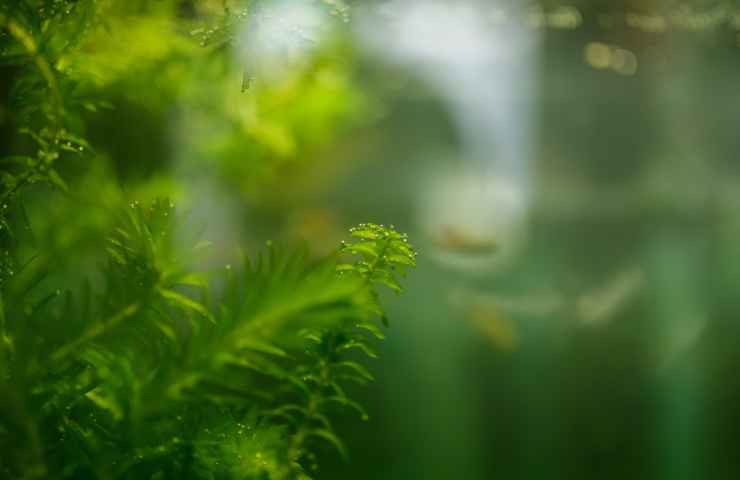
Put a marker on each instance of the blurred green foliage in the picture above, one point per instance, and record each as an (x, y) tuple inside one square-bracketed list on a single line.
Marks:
[(121, 354)]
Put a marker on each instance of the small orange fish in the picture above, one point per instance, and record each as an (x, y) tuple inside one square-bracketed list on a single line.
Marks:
[(497, 328), (458, 239)]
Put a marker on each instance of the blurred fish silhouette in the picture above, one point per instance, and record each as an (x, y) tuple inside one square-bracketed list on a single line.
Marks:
[(486, 314), (458, 239), (498, 329), (497, 316)]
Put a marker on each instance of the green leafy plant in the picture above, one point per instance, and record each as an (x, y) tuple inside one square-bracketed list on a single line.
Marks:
[(121, 356), (162, 371)]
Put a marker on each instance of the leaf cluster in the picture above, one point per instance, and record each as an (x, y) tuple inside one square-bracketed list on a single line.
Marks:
[(162, 372), (127, 362)]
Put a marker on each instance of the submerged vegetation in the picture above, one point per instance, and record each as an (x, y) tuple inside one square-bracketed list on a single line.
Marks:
[(168, 373), (124, 352)]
